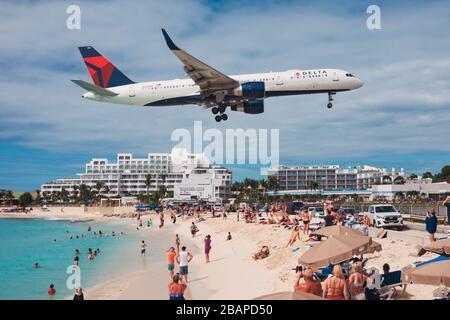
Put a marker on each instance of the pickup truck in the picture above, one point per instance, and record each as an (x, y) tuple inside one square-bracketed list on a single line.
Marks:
[(385, 215)]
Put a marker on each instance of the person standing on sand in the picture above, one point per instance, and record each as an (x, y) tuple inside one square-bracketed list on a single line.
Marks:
[(183, 259), (171, 254), (207, 243), (224, 214), (306, 218), (357, 283), (176, 288), (177, 242), (431, 225), (78, 294), (194, 229), (446, 203), (161, 220), (143, 245), (335, 286)]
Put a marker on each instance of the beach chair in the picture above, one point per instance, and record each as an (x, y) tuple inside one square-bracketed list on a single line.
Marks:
[(325, 272), (393, 280)]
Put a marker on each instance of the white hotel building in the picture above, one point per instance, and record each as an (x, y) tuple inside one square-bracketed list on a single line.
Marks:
[(188, 176)]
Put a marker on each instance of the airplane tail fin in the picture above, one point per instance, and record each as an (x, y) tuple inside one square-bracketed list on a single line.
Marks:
[(102, 71)]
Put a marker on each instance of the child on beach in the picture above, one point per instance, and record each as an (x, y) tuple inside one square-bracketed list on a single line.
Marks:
[(207, 243), (177, 242), (143, 245), (194, 229), (229, 236)]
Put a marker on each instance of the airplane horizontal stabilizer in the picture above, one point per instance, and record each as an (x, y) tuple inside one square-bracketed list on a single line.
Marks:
[(94, 89)]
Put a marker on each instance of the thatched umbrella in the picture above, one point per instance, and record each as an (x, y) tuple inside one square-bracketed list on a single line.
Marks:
[(441, 247), (297, 295), (435, 273), (335, 249), (335, 231)]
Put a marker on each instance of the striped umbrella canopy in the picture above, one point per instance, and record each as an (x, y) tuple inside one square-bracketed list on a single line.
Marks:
[(297, 295), (435, 273), (335, 249), (441, 247)]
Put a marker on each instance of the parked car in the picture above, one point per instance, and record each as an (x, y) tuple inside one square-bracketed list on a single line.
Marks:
[(347, 213), (385, 215), (317, 212), (294, 207)]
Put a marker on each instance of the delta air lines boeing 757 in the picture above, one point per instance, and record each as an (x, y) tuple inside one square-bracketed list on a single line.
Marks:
[(208, 87)]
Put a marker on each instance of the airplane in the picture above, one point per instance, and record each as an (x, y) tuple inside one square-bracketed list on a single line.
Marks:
[(208, 87)]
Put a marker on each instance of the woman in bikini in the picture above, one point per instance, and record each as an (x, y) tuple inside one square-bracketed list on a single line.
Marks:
[(357, 283), (294, 236), (335, 286)]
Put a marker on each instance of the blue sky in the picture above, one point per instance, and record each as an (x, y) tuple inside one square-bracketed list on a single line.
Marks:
[(400, 118)]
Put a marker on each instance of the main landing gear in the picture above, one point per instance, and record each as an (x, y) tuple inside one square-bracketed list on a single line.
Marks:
[(222, 115), (330, 99)]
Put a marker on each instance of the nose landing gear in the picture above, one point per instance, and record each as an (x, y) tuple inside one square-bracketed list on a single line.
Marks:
[(330, 99), (222, 115)]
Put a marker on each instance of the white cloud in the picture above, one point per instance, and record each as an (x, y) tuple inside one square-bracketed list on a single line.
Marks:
[(402, 108)]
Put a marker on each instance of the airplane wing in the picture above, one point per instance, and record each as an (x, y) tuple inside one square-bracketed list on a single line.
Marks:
[(95, 89), (210, 81)]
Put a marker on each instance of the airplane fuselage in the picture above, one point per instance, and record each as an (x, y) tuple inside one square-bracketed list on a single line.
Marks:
[(185, 91)]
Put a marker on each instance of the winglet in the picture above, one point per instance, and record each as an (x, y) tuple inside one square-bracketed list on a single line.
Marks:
[(169, 41)]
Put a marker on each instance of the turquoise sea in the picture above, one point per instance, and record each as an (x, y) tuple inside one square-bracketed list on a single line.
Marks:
[(26, 241)]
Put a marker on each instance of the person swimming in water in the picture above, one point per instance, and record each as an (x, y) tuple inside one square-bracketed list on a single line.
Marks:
[(37, 265)]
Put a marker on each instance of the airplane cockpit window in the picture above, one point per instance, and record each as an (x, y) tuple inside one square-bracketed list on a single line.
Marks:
[(349, 75)]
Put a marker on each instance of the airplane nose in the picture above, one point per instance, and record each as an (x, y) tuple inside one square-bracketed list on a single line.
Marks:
[(359, 83)]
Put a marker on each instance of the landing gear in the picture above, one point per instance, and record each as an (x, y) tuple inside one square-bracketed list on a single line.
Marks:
[(220, 113), (330, 99), (222, 109)]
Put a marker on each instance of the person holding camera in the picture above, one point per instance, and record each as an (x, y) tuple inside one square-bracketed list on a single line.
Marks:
[(309, 284)]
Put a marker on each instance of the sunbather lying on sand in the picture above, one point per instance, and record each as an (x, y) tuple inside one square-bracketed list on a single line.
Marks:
[(261, 254)]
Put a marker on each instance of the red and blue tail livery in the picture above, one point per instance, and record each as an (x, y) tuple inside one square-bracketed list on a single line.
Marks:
[(102, 71)]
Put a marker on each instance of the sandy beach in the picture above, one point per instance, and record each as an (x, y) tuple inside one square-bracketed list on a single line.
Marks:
[(232, 273)]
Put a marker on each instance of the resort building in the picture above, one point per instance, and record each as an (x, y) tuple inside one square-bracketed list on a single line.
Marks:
[(330, 179), (423, 188), (128, 175)]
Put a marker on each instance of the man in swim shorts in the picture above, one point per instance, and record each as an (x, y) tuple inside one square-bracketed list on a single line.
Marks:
[(171, 254)]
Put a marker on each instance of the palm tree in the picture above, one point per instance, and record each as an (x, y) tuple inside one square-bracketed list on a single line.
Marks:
[(99, 185), (85, 193), (399, 196), (387, 179), (148, 184), (399, 180), (413, 194), (273, 184)]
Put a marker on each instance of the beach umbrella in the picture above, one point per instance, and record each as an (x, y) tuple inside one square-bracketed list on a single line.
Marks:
[(335, 231), (435, 273), (335, 249), (374, 247), (441, 247), (297, 295)]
